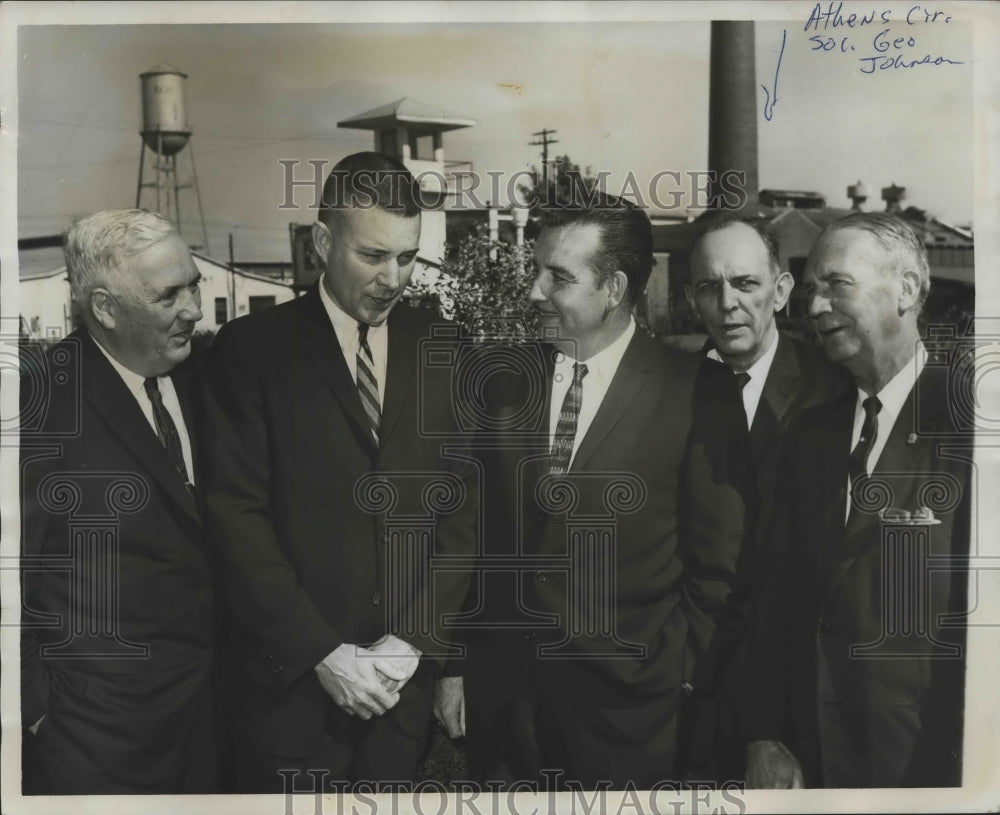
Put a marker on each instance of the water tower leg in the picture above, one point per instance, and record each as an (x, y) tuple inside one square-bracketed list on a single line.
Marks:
[(159, 170), (177, 192), (197, 195), (142, 161)]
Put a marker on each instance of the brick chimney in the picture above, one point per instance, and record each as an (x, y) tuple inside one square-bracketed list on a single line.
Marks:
[(732, 112)]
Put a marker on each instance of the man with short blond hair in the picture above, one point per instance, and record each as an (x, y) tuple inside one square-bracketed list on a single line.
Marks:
[(315, 416)]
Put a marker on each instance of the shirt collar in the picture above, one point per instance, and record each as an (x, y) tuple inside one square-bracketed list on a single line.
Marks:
[(898, 388), (133, 381), (343, 323), (759, 370), (606, 361)]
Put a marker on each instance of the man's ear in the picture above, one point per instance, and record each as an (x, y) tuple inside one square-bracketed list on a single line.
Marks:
[(909, 290), (783, 290), (322, 240), (617, 286), (104, 307)]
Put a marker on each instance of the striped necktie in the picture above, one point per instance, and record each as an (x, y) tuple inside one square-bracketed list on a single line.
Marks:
[(562, 444), (166, 429), (367, 383)]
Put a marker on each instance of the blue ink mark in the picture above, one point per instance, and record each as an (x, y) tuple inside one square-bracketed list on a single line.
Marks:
[(771, 97)]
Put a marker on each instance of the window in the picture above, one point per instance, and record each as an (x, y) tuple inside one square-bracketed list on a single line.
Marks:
[(221, 311)]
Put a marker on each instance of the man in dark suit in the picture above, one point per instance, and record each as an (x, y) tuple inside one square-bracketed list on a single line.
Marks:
[(322, 431), (737, 287), (626, 473), (117, 615), (858, 646)]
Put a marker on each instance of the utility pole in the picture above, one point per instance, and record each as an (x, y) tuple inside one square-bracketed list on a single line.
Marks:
[(544, 144)]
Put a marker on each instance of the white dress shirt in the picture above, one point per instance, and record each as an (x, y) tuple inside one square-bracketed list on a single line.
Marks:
[(346, 328), (892, 397), (136, 385), (754, 389), (601, 368)]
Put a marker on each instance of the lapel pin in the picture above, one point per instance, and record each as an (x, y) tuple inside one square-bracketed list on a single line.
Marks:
[(911, 439)]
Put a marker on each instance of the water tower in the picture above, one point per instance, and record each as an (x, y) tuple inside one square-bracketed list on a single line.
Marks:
[(165, 134)]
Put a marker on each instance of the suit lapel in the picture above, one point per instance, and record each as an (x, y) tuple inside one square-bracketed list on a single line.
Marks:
[(903, 453), (624, 387), (779, 388), (833, 457), (322, 347), (400, 366), (110, 398)]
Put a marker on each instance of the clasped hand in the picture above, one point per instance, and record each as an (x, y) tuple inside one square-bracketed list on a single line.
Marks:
[(772, 766), (365, 682)]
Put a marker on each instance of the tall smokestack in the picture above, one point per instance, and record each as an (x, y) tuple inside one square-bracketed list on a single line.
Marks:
[(732, 112)]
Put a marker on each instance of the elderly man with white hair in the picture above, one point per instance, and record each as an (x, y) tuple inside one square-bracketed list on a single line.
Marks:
[(118, 614), (857, 638)]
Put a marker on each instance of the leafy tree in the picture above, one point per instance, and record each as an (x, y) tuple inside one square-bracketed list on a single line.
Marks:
[(564, 183), (483, 285)]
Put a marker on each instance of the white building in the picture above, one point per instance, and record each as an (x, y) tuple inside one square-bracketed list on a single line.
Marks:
[(44, 296)]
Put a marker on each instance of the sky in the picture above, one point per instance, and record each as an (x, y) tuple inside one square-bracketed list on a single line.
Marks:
[(622, 97)]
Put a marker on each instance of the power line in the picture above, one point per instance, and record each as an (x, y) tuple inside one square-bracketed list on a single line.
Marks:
[(203, 134), (544, 144)]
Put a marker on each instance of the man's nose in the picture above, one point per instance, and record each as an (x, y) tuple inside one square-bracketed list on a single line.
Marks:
[(191, 307), (816, 305), (388, 277), (536, 295), (727, 297)]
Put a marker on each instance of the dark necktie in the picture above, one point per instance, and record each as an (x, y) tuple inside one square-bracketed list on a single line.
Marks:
[(165, 427), (742, 378), (857, 466), (562, 444), (367, 383)]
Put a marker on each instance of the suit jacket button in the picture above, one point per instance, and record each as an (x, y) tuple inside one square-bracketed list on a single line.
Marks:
[(377, 599), (541, 577)]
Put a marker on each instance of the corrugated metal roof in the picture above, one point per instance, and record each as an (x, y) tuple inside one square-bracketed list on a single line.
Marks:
[(242, 272), (680, 237), (34, 264)]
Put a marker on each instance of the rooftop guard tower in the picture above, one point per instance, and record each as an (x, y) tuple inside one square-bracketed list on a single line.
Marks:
[(402, 130), (165, 134)]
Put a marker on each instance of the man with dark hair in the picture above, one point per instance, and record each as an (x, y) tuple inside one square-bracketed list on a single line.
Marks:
[(118, 614), (856, 645), (625, 481), (737, 287), (316, 451)]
